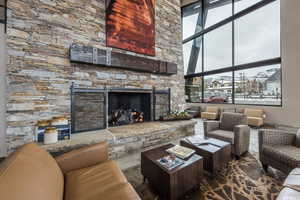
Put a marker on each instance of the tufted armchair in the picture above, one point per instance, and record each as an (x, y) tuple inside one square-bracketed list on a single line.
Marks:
[(279, 149), (231, 128)]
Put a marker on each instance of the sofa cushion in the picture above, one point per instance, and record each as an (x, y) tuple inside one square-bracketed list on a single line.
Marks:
[(102, 181), (227, 136), (31, 173), (230, 120), (255, 121), (297, 142), (120, 192), (211, 109), (254, 112), (231, 110), (240, 110), (207, 115), (288, 154)]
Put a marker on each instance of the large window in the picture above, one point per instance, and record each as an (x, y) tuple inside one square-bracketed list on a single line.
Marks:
[(215, 11), (193, 86), (231, 51), (191, 19), (218, 48), (258, 86), (218, 88), (257, 35)]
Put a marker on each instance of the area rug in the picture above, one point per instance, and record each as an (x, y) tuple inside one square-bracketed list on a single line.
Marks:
[(242, 179)]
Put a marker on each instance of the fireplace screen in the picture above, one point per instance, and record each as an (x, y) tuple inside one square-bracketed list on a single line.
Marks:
[(88, 110), (95, 109)]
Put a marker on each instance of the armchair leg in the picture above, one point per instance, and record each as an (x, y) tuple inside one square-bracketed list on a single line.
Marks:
[(265, 167)]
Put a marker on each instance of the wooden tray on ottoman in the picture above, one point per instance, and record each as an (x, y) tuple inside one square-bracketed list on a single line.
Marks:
[(216, 153), (171, 184)]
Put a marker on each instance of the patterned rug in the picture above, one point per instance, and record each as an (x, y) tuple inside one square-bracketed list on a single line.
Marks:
[(242, 179)]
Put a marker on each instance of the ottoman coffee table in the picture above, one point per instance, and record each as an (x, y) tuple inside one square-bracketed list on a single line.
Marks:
[(216, 153), (171, 184)]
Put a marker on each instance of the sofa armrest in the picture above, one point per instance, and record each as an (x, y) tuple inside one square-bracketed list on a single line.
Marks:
[(83, 157), (210, 126), (293, 180), (288, 194), (241, 139), (276, 137)]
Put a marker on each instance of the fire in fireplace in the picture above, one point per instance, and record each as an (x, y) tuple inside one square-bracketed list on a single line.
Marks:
[(121, 117), (128, 108)]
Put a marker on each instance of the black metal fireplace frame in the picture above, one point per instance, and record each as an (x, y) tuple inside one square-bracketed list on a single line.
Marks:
[(153, 92)]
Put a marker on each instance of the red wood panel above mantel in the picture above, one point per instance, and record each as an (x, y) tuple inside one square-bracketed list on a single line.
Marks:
[(130, 25)]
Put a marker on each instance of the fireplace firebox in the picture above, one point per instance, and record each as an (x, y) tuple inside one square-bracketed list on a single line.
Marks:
[(128, 107), (95, 109)]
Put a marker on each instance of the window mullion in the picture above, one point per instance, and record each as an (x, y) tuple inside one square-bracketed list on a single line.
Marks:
[(203, 24), (233, 56)]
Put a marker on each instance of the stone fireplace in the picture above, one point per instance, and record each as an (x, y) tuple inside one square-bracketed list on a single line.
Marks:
[(95, 109), (39, 70)]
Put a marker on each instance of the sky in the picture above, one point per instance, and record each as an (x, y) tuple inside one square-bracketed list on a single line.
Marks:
[(257, 36)]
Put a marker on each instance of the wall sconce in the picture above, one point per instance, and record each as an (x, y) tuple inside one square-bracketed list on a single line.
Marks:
[(3, 12)]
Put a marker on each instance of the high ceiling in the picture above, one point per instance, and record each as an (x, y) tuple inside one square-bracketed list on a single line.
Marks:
[(186, 2)]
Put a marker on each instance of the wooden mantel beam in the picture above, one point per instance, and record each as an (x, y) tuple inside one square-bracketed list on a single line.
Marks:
[(92, 55)]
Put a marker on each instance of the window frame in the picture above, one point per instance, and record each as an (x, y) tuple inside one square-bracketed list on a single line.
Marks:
[(4, 21), (233, 68)]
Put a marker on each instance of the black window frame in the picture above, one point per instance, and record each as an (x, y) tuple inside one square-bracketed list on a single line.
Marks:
[(233, 68), (4, 21)]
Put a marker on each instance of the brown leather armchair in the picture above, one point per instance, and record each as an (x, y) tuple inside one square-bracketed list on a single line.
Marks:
[(31, 173)]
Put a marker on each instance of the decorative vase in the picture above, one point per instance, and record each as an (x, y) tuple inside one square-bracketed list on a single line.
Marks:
[(50, 135)]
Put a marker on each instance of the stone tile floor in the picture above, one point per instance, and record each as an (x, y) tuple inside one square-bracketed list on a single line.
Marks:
[(133, 160)]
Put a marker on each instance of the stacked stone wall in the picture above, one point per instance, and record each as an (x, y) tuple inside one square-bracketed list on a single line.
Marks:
[(40, 74)]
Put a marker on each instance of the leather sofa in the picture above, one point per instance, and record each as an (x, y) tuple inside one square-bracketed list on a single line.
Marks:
[(31, 173), (231, 128), (255, 117), (211, 113), (291, 186)]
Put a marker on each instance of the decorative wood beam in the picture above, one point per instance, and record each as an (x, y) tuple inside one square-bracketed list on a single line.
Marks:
[(91, 55)]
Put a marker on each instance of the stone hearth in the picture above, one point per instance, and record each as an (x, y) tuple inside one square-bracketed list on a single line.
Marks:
[(128, 139)]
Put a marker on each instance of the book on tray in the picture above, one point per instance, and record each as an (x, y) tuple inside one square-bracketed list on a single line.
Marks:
[(196, 140), (180, 151), (170, 162)]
